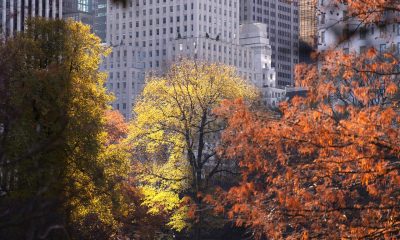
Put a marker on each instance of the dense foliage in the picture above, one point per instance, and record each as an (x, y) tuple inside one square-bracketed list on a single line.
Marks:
[(200, 155), (326, 166), (58, 178), (329, 166), (173, 138)]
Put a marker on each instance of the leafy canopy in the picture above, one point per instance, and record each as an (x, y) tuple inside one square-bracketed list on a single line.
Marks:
[(328, 167), (58, 177), (174, 133)]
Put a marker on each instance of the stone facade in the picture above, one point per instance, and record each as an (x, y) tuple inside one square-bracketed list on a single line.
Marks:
[(281, 18), (149, 35)]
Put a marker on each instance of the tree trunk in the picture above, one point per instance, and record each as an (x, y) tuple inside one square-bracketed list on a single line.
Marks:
[(198, 201), (198, 224)]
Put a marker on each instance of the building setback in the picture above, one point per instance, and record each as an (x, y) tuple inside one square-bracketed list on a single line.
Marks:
[(282, 22), (149, 35), (13, 13)]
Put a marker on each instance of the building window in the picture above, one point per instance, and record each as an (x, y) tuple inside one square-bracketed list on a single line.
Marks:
[(383, 30), (382, 47), (363, 33), (322, 20), (322, 37)]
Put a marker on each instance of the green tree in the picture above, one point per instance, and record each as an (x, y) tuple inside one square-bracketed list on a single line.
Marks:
[(58, 176), (174, 136)]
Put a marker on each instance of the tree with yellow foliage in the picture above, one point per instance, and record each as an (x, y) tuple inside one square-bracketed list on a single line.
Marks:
[(174, 136)]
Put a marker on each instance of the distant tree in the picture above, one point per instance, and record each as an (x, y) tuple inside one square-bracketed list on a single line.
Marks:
[(173, 138), (116, 126), (58, 177)]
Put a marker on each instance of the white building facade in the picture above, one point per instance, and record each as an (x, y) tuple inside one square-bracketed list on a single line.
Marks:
[(149, 35), (281, 18), (336, 29), (13, 13)]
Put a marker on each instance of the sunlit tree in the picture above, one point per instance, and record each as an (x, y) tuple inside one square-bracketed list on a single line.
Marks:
[(173, 137)]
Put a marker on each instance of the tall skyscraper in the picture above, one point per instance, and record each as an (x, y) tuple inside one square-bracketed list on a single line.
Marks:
[(282, 21), (149, 35), (308, 38), (79, 10), (13, 13), (100, 18)]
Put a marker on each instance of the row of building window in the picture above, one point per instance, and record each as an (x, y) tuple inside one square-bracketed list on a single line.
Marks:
[(157, 12), (363, 32), (157, 32), (225, 2), (382, 48)]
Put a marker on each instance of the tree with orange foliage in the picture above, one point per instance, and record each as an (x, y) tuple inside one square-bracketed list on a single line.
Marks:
[(116, 127), (328, 167)]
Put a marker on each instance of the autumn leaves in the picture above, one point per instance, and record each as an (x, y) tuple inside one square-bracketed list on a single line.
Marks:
[(329, 166), (323, 166), (174, 136)]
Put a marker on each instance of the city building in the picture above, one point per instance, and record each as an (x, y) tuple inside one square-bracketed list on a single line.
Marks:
[(282, 22), (308, 38), (100, 19), (79, 10), (148, 36), (337, 30), (13, 13)]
